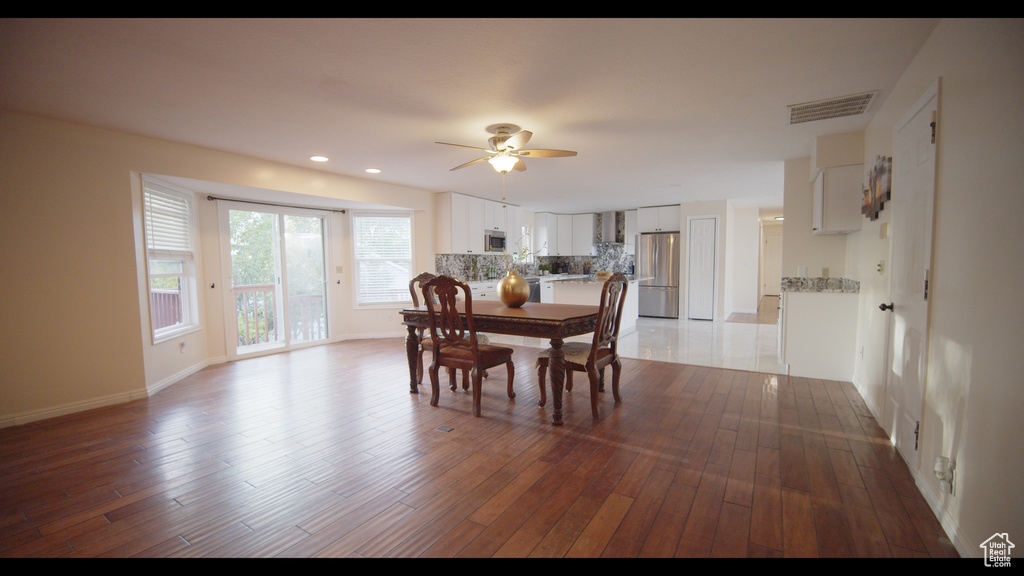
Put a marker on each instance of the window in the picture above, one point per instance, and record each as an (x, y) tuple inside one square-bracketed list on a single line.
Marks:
[(168, 219), (383, 255)]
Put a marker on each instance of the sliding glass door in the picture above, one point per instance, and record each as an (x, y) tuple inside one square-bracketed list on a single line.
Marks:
[(277, 278)]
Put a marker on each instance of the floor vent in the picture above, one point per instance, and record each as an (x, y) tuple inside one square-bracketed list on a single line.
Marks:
[(831, 108)]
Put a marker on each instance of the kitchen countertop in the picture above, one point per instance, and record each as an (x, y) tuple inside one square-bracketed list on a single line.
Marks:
[(834, 285), (578, 279)]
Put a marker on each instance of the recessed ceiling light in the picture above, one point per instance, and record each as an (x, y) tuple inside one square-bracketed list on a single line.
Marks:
[(318, 158), (779, 218), (373, 170)]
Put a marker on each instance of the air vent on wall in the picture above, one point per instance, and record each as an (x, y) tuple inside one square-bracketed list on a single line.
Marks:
[(831, 108)]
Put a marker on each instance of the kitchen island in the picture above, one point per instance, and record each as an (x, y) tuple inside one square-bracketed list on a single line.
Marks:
[(586, 289)]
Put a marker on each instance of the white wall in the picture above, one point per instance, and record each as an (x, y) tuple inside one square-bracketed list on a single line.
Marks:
[(73, 281), (974, 398)]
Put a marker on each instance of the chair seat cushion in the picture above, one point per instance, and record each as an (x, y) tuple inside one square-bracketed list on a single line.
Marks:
[(428, 344), (575, 353), (489, 355)]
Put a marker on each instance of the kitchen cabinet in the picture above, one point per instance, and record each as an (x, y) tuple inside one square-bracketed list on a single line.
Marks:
[(818, 334), (658, 219), (484, 290), (545, 226), (583, 226), (462, 220), (837, 198), (495, 216), (564, 234)]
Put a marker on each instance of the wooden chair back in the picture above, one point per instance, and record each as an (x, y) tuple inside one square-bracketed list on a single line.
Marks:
[(447, 326), (609, 315)]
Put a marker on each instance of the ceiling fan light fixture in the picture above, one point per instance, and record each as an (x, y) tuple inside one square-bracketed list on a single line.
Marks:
[(503, 162)]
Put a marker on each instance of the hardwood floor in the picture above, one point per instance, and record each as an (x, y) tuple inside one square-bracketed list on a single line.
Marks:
[(323, 452)]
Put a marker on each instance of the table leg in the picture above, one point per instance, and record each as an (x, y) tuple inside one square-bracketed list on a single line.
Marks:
[(412, 347), (556, 363)]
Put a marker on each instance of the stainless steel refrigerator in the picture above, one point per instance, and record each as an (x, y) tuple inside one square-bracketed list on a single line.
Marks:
[(657, 268)]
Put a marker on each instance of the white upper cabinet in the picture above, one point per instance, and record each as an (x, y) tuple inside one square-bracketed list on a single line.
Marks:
[(837, 199), (460, 223), (658, 219), (583, 234), (564, 234), (545, 232)]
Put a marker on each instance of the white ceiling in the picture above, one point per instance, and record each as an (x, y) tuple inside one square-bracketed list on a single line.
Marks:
[(661, 111)]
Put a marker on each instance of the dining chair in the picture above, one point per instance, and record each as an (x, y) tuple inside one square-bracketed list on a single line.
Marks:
[(425, 342), (456, 343), (592, 358)]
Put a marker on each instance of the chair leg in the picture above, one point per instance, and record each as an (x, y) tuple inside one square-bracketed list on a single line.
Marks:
[(616, 370), (511, 377), (477, 393), (542, 368), (419, 366), (568, 379), (452, 382), (435, 387), (594, 381)]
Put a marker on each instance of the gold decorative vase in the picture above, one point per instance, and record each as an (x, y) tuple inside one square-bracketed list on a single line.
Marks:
[(513, 290)]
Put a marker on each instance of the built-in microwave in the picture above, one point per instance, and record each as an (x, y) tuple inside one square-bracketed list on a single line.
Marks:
[(494, 241)]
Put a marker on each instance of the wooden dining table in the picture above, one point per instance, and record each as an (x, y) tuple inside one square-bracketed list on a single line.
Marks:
[(534, 319)]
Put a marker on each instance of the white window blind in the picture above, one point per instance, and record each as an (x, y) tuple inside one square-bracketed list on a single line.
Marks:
[(168, 223), (383, 253)]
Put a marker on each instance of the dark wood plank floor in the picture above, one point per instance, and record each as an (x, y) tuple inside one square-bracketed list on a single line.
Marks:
[(324, 452)]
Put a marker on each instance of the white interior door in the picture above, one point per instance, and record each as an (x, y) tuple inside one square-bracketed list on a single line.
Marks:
[(772, 273), (700, 272), (913, 196)]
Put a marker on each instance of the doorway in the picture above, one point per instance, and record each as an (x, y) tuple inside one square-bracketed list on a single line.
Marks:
[(274, 266)]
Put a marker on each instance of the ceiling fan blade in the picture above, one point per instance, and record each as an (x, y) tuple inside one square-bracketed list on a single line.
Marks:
[(542, 153), (518, 140), (484, 159), (488, 150)]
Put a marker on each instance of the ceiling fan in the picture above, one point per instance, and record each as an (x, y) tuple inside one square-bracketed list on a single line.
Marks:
[(506, 149)]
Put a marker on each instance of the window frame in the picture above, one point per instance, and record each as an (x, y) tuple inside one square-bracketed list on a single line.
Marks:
[(357, 296), (185, 255)]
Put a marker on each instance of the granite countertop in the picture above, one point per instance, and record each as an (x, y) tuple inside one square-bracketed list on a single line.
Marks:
[(579, 279), (834, 285)]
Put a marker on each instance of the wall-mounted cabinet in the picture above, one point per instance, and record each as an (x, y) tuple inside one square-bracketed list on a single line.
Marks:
[(583, 228), (658, 219), (565, 234), (545, 230), (838, 194), (462, 220)]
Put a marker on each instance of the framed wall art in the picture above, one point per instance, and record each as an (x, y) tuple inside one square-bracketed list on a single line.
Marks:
[(879, 188)]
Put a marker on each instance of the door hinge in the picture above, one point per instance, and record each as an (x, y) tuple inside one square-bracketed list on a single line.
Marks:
[(933, 126), (926, 284), (917, 433)]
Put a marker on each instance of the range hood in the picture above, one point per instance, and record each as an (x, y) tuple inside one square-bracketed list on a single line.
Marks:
[(611, 232)]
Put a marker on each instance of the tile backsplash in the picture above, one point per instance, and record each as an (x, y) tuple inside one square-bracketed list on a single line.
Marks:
[(481, 266)]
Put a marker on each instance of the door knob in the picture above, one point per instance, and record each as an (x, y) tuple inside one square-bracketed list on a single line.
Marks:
[(885, 307)]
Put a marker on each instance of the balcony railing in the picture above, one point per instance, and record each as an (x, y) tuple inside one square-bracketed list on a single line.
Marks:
[(255, 305)]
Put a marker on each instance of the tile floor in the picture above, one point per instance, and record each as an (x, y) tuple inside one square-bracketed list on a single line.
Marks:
[(734, 345)]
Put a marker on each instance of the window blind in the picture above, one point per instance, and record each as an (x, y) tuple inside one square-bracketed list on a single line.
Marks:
[(383, 249), (168, 223)]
